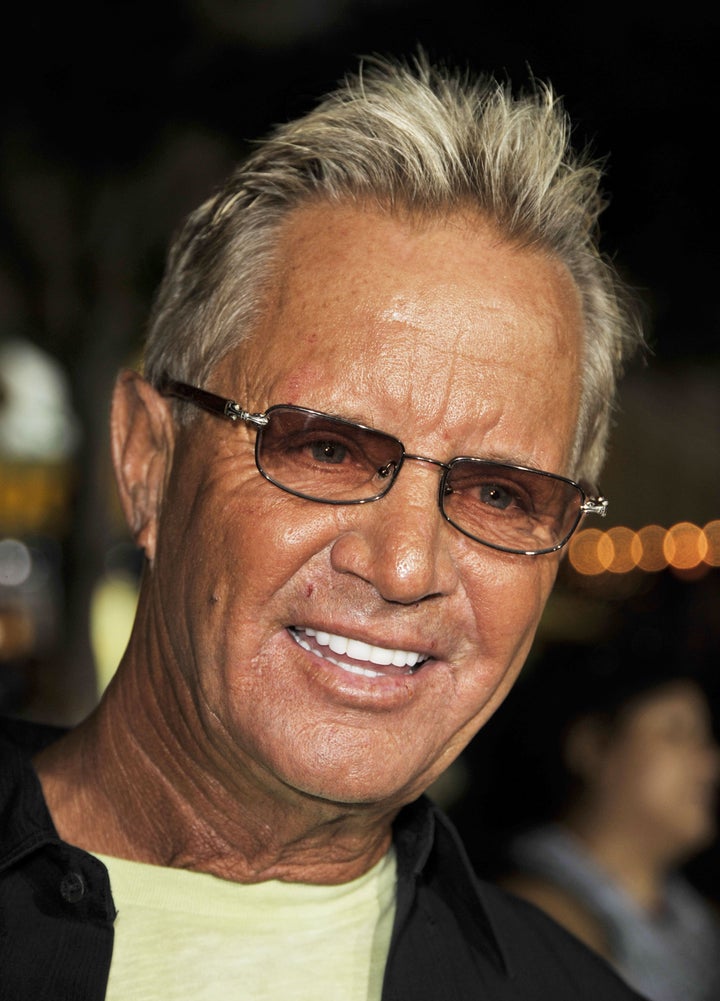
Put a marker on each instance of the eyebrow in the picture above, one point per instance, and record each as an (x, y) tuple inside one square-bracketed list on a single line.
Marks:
[(491, 456)]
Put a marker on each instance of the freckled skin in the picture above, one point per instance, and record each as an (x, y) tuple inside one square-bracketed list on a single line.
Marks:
[(268, 760)]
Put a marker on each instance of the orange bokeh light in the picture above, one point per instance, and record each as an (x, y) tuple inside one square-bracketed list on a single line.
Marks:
[(622, 540), (648, 548), (620, 550), (685, 545), (712, 534), (584, 552)]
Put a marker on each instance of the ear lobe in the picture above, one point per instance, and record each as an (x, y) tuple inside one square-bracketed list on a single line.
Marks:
[(142, 438)]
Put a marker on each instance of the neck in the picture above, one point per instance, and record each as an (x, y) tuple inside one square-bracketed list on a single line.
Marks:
[(630, 856), (142, 779)]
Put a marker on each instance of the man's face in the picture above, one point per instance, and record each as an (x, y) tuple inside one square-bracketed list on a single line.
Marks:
[(457, 344)]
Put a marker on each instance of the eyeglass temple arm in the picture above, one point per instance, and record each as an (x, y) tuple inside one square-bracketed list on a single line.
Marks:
[(211, 402), (594, 505)]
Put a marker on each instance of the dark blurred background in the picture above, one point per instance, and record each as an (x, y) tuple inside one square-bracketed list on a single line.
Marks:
[(118, 118)]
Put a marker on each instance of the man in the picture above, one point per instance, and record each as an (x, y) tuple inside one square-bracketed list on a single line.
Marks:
[(380, 359)]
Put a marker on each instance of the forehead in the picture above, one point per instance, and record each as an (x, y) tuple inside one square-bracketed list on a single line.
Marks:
[(429, 313)]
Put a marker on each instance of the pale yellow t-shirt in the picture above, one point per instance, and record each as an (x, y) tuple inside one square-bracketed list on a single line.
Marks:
[(190, 936)]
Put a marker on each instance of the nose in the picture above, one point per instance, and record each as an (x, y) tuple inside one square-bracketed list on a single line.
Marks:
[(400, 544)]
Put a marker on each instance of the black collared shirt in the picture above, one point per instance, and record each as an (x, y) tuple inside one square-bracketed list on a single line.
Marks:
[(455, 937)]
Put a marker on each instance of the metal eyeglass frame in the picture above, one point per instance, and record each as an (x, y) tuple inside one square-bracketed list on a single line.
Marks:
[(221, 406)]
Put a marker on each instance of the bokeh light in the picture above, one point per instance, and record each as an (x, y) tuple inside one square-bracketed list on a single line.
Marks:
[(712, 534), (622, 539), (685, 546), (619, 550), (651, 553), (591, 552), (15, 562)]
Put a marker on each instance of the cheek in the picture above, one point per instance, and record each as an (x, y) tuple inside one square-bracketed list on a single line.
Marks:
[(233, 560), (508, 598), (506, 605), (674, 804), (661, 780), (653, 781), (674, 777), (260, 537)]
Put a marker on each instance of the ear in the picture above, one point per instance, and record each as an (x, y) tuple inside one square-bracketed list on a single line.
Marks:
[(584, 747), (142, 438)]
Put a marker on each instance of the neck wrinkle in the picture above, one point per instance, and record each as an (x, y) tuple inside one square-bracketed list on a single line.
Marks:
[(168, 790)]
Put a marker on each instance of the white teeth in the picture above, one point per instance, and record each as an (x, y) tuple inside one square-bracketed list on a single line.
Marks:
[(343, 646), (350, 668), (358, 650), (338, 644)]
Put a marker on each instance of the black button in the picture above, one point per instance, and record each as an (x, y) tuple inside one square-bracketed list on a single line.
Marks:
[(72, 887)]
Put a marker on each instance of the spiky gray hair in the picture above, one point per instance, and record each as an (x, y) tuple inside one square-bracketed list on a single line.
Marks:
[(410, 137)]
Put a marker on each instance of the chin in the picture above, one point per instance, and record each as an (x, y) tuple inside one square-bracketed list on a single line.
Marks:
[(697, 838), (378, 788), (366, 795)]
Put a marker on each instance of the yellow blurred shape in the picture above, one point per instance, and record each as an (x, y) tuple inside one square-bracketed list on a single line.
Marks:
[(112, 612)]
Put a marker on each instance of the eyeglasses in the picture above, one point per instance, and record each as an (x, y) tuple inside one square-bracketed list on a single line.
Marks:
[(335, 461)]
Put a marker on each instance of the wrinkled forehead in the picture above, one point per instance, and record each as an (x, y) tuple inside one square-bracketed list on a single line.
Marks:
[(360, 252), (450, 277), (433, 313)]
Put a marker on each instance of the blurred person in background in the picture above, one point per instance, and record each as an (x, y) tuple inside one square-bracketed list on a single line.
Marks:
[(625, 770), (328, 615)]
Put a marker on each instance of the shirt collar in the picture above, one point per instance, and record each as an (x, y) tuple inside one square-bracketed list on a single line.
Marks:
[(428, 847), (24, 816)]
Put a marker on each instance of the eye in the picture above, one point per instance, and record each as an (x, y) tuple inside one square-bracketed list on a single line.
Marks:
[(328, 451), (497, 496)]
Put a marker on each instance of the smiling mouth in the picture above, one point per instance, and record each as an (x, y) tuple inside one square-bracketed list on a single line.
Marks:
[(355, 656)]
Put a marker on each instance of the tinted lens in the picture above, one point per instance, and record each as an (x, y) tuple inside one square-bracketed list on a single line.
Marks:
[(326, 458), (515, 509)]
